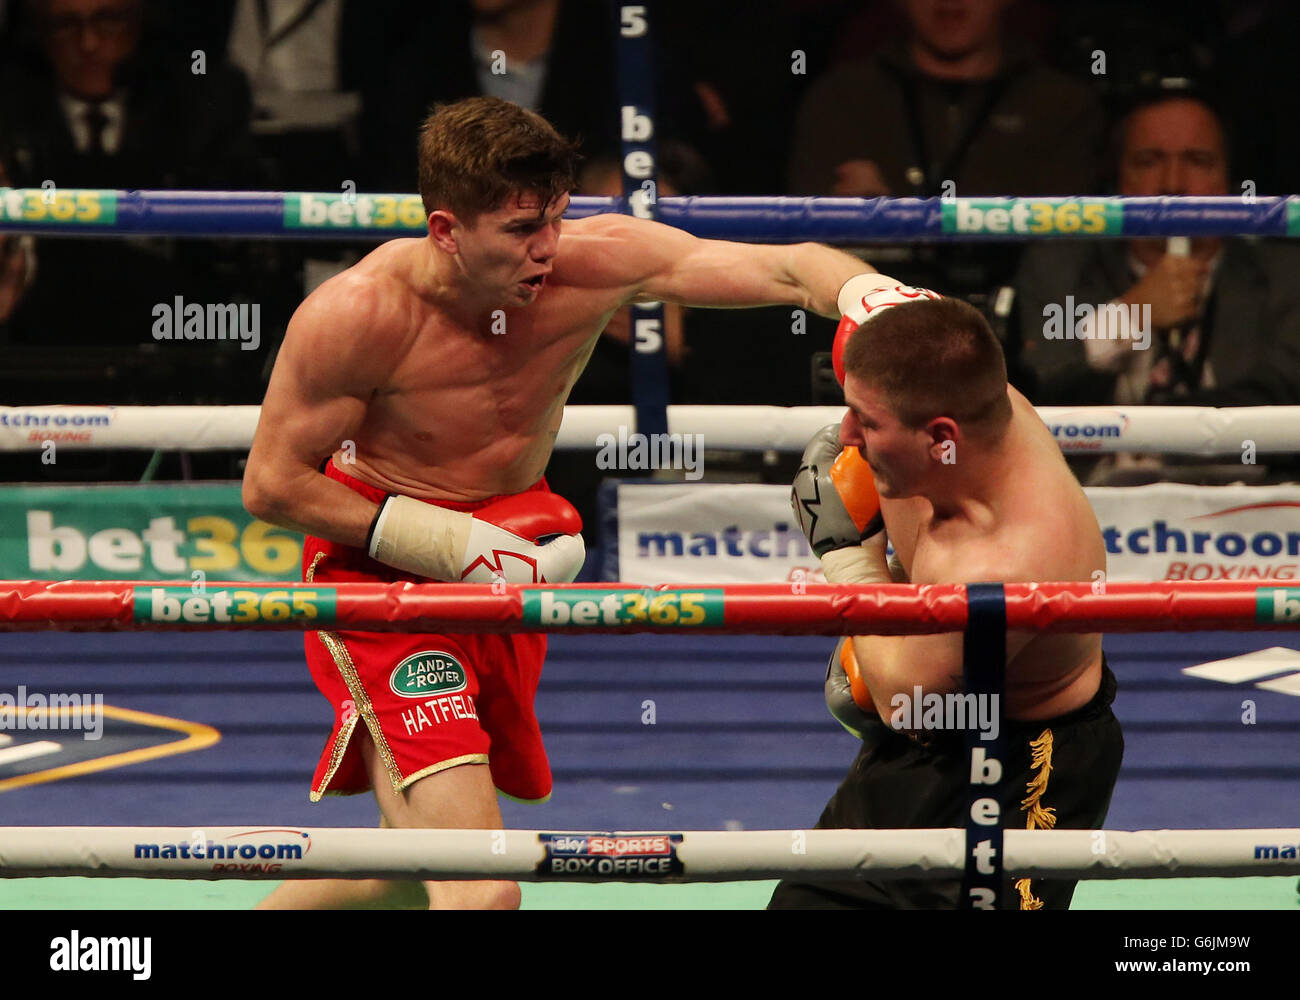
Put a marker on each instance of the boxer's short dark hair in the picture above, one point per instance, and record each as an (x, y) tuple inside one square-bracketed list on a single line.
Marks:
[(476, 153), (933, 358)]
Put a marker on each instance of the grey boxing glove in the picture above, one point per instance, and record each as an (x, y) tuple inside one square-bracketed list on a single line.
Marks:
[(835, 502), (846, 693)]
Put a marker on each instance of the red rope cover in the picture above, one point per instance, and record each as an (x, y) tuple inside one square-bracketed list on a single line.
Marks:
[(791, 608)]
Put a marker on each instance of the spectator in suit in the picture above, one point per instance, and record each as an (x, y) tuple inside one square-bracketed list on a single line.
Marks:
[(1224, 317), (1213, 322), (95, 102)]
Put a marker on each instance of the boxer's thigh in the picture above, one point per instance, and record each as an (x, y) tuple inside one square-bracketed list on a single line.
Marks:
[(417, 695), (460, 797), (507, 688)]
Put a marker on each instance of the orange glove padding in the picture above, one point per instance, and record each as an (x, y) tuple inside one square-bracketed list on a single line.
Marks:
[(856, 485)]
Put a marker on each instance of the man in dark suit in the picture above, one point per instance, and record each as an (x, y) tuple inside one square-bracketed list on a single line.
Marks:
[(92, 103), (1204, 321)]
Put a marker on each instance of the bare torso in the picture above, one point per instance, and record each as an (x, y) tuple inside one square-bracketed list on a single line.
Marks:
[(468, 412), (1041, 528)]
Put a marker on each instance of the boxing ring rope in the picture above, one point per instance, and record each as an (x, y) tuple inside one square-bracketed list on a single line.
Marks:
[(787, 608), (679, 856), (758, 608), (340, 215), (1191, 430)]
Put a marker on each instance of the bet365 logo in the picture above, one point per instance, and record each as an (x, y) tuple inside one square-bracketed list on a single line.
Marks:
[(1280, 605), (623, 607), (1029, 216), (242, 606)]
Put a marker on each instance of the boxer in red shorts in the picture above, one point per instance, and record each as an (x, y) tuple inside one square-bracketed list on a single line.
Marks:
[(433, 376), (449, 700)]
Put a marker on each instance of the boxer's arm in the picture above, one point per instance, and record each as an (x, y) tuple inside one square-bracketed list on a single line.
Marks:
[(893, 665), (335, 352), (654, 262)]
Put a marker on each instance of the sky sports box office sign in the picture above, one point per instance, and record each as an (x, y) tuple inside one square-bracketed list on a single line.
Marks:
[(654, 533), (650, 532)]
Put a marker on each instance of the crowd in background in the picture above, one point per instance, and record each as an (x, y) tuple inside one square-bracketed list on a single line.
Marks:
[(804, 97)]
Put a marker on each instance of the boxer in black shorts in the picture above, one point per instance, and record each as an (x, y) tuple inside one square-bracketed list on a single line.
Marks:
[(897, 782), (969, 486)]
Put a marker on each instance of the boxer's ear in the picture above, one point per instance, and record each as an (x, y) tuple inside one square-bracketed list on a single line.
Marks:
[(944, 435), (443, 230)]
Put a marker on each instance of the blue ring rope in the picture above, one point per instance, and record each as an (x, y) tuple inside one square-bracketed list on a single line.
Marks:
[(374, 217)]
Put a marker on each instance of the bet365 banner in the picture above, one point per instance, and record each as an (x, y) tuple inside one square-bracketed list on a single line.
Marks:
[(144, 532)]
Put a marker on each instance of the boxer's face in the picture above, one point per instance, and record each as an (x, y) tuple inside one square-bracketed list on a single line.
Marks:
[(505, 257), (898, 455)]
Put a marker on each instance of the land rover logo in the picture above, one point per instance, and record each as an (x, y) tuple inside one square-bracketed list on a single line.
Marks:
[(429, 672)]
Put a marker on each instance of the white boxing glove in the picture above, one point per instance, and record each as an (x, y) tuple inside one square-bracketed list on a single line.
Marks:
[(859, 297), (496, 542)]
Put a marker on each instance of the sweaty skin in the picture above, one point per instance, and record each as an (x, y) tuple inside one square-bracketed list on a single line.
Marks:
[(433, 369), (448, 375), (1027, 520)]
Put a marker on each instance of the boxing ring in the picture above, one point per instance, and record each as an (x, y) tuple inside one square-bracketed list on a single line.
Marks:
[(740, 742)]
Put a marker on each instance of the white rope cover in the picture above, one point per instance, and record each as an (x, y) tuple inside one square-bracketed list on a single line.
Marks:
[(703, 856), (1192, 430)]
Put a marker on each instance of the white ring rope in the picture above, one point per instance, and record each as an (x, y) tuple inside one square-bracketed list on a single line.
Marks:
[(1192, 430), (705, 856)]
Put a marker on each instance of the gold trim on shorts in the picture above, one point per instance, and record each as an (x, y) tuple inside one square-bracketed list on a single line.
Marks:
[(424, 772), (361, 702), (1038, 816), (365, 709)]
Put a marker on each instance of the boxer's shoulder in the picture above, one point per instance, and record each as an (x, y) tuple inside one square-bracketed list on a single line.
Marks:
[(374, 297), (608, 255), (605, 239)]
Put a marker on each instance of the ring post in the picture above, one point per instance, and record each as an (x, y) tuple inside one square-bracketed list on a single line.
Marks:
[(984, 669)]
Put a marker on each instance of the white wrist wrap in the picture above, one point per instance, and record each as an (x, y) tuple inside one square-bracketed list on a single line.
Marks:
[(863, 563), (853, 290), (421, 538)]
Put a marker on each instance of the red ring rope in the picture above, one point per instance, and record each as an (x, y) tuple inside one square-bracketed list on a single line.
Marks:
[(790, 608)]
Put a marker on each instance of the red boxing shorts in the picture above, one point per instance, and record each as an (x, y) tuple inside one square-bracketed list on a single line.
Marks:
[(429, 702)]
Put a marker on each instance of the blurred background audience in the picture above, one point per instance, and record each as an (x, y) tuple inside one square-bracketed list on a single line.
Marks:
[(849, 98)]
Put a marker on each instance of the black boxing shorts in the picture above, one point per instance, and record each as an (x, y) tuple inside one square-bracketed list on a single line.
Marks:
[(898, 783)]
